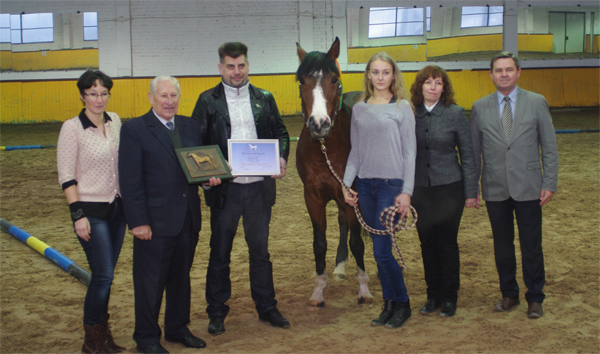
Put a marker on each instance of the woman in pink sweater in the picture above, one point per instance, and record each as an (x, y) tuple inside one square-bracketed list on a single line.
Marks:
[(87, 152)]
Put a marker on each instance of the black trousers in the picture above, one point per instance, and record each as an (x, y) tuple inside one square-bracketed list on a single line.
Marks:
[(248, 201), (439, 210), (529, 223), (163, 264)]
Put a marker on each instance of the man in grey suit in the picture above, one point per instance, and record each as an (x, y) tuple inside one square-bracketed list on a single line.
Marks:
[(513, 179)]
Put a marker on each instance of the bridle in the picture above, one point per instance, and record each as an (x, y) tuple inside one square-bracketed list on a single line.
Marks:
[(335, 111)]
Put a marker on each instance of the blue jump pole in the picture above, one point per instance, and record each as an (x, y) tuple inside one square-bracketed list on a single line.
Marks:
[(572, 131), (58, 258), (25, 147)]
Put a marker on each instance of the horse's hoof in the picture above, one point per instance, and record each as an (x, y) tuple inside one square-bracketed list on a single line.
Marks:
[(365, 301), (315, 303), (339, 277)]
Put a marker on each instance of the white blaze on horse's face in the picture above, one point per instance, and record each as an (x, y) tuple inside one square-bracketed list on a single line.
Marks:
[(319, 108)]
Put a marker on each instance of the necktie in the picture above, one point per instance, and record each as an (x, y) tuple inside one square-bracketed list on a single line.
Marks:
[(171, 126), (507, 118)]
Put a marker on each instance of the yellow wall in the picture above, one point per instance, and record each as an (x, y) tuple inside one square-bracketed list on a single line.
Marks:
[(452, 45), (5, 60), (56, 101), (412, 52), (52, 60), (595, 43), (535, 42)]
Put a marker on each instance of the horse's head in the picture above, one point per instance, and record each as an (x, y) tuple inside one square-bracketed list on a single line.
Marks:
[(320, 89)]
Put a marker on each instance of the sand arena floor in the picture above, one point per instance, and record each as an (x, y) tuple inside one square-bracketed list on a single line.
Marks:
[(41, 305)]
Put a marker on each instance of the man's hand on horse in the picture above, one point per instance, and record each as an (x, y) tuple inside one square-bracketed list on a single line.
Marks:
[(350, 196), (283, 168), (403, 203)]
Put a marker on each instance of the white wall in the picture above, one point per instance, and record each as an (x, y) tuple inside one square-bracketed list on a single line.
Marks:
[(144, 38), (183, 39)]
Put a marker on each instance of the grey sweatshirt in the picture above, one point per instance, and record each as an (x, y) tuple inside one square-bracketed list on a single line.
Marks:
[(383, 143)]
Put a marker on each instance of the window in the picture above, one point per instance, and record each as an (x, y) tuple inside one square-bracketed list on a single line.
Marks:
[(4, 28), (15, 29), (397, 21), (428, 18), (481, 16), (90, 26), (26, 28)]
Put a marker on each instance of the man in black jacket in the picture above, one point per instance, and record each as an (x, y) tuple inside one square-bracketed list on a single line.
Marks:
[(234, 109)]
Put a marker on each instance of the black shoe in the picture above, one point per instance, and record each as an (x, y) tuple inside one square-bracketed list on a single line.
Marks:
[(401, 314), (216, 325), (275, 318), (387, 311), (448, 309), (430, 306), (190, 341), (154, 348)]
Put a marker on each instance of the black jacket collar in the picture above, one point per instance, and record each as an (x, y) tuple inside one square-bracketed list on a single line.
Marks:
[(86, 122)]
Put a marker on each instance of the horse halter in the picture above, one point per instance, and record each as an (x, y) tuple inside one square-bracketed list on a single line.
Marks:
[(340, 92)]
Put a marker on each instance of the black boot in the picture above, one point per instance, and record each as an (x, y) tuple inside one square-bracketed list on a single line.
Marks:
[(387, 310), (401, 314)]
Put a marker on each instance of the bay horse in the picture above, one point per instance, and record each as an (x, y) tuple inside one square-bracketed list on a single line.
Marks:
[(329, 123)]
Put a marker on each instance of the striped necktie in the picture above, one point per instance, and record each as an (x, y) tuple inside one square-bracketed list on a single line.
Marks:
[(507, 118)]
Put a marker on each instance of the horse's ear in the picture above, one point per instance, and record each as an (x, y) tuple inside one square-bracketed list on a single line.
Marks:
[(334, 51), (301, 52)]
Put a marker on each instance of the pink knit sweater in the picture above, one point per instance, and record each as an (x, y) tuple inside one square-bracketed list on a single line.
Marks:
[(89, 158)]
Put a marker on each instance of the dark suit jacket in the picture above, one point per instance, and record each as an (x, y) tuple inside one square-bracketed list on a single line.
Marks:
[(514, 168), (439, 134), (213, 115), (153, 186)]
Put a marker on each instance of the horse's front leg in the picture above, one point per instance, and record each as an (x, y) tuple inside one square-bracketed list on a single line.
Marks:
[(318, 217), (341, 259), (357, 247)]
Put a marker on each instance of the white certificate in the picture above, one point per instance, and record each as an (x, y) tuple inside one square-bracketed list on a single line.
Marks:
[(257, 157)]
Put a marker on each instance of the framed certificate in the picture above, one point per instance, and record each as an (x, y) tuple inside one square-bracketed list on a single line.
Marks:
[(257, 157), (201, 163)]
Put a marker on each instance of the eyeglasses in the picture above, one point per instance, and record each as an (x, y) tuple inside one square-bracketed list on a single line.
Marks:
[(95, 96)]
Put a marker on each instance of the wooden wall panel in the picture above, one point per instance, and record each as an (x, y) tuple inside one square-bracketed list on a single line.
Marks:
[(536, 43), (50, 101), (412, 52), (5, 60), (55, 60)]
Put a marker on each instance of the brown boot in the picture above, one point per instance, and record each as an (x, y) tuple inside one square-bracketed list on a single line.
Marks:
[(94, 340), (108, 338)]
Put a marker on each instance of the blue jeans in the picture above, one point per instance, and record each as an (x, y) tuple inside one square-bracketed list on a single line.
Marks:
[(374, 195), (102, 252)]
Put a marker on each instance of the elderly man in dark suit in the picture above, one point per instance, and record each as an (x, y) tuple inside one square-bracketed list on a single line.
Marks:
[(509, 129), (163, 213)]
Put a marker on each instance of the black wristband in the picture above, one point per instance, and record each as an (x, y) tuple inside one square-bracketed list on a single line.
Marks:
[(76, 211)]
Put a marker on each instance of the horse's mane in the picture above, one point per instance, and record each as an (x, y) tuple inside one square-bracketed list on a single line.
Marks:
[(314, 62)]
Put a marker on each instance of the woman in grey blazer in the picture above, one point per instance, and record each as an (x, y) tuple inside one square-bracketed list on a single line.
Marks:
[(445, 181)]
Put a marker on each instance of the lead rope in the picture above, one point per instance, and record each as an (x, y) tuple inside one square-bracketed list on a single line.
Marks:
[(387, 215)]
